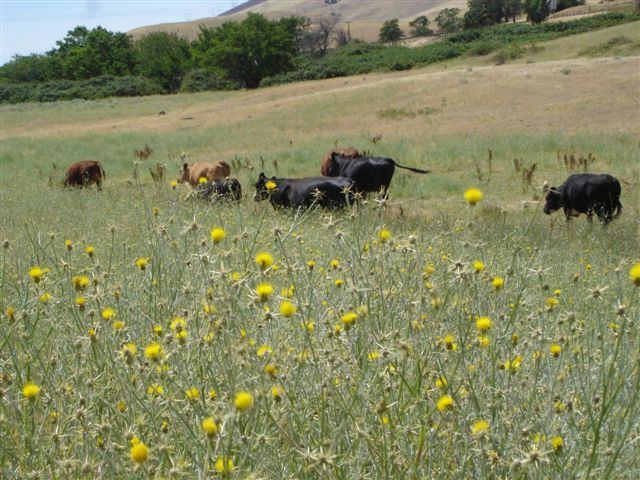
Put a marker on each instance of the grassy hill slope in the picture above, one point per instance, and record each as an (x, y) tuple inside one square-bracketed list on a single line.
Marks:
[(445, 117)]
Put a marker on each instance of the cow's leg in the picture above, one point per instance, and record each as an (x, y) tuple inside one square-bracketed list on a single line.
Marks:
[(590, 215)]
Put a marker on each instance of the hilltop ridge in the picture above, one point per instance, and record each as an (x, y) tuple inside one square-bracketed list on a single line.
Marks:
[(364, 18)]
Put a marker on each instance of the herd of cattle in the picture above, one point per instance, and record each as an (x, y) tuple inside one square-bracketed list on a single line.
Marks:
[(346, 172)]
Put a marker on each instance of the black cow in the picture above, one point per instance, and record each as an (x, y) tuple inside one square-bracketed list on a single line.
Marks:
[(369, 174), (304, 192), (225, 189), (586, 193)]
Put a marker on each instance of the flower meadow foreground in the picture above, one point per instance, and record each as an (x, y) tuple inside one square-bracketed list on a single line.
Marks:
[(212, 345)]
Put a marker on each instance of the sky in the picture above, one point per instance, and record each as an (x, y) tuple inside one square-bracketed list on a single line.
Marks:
[(35, 26)]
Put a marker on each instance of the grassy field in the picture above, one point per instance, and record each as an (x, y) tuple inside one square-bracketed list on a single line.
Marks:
[(146, 334)]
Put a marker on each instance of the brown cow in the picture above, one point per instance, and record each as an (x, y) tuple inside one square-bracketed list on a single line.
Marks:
[(347, 152), (212, 171), (85, 173)]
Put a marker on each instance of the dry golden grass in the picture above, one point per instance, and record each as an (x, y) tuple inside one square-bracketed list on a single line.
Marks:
[(579, 95)]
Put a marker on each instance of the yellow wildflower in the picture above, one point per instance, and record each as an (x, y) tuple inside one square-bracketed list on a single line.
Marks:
[(483, 324), (634, 274), (45, 297), (36, 273), (277, 392), (287, 309), (264, 291), (30, 390), (80, 282), (445, 403), (349, 318), (473, 196), (90, 250), (243, 401), (441, 383), (108, 314), (142, 262), (551, 303), (478, 266), (139, 451), (154, 352), (225, 464), (192, 393), (270, 185), (498, 283), (479, 427), (210, 426), (263, 350), (217, 235), (384, 235), (555, 349), (264, 260), (557, 443)]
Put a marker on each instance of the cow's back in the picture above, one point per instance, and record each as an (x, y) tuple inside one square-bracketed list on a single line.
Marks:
[(212, 171), (369, 174), (322, 191)]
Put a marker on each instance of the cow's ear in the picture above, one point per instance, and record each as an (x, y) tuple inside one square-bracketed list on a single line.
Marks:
[(185, 167), (261, 176)]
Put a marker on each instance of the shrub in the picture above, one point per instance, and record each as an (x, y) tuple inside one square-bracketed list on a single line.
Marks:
[(202, 80), (98, 87)]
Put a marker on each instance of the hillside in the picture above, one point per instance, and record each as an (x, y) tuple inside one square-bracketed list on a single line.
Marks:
[(364, 17)]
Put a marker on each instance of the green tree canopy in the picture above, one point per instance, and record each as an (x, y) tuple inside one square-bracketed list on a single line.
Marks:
[(28, 68), (250, 50), (537, 10), (390, 31), (85, 53), (163, 57), (420, 26), (483, 13), (448, 20)]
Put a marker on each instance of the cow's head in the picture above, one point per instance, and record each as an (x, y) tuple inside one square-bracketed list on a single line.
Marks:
[(553, 201), (184, 173), (332, 166), (264, 187)]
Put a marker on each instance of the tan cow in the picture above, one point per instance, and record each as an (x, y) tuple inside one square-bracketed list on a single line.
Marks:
[(212, 171), (348, 152)]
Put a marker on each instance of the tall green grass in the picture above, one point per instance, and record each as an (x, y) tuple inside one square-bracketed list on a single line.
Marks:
[(330, 399)]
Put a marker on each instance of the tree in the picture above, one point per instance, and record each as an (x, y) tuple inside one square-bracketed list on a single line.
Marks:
[(390, 31), (248, 51), (28, 68), (314, 36), (420, 26), (512, 8), (537, 10), (163, 57), (87, 53), (483, 13), (448, 20)]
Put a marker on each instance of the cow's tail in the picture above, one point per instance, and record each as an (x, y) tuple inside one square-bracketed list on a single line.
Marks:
[(617, 210), (412, 169)]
